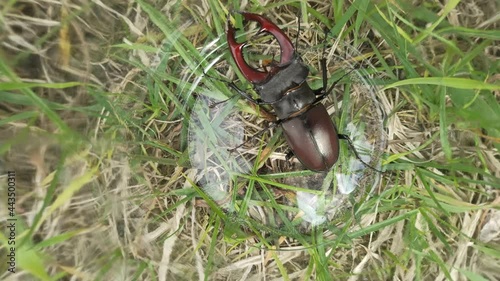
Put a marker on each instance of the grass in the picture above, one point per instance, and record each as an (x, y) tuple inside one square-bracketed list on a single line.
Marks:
[(95, 105)]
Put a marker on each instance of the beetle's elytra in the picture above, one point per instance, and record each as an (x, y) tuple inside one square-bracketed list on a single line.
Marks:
[(308, 129)]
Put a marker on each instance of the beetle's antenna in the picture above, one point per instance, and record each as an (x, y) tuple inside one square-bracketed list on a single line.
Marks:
[(351, 145)]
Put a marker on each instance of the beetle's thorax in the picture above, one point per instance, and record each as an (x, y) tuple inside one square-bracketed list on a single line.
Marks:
[(287, 78), (294, 102)]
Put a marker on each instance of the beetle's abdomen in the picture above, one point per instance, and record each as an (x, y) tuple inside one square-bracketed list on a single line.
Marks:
[(313, 138)]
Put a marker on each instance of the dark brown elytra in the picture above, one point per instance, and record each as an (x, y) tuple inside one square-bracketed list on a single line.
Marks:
[(309, 131)]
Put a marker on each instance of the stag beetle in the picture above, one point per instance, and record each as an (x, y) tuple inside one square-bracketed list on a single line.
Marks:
[(309, 131)]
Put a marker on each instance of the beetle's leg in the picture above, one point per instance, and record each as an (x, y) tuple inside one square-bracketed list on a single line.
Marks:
[(299, 17), (322, 92), (244, 94), (351, 145), (278, 122), (233, 86), (289, 155), (239, 91), (323, 63), (338, 80)]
